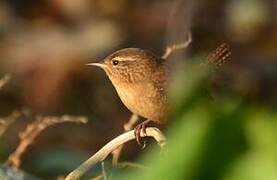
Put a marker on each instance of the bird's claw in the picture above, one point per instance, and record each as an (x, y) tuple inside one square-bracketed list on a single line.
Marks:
[(138, 129)]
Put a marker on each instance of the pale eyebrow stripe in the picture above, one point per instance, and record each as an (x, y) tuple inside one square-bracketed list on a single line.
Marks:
[(129, 58)]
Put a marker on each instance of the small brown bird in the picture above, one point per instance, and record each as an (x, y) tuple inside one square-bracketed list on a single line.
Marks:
[(141, 80)]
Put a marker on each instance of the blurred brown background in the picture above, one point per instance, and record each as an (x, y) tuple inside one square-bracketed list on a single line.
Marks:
[(45, 44)]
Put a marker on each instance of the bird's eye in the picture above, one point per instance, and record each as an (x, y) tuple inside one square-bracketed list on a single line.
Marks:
[(115, 62)]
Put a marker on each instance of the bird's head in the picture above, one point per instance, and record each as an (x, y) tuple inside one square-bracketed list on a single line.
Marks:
[(129, 65)]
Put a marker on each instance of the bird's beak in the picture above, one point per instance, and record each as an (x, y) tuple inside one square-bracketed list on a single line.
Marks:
[(96, 64)]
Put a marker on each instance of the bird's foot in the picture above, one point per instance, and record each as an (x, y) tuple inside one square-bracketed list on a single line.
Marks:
[(141, 127)]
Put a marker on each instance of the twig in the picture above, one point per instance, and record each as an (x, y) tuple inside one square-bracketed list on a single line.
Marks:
[(4, 80), (111, 146), (104, 173), (33, 130), (174, 47), (99, 177), (5, 122), (127, 127), (130, 124), (131, 164)]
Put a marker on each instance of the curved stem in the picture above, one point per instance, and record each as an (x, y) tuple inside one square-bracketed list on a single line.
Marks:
[(111, 146)]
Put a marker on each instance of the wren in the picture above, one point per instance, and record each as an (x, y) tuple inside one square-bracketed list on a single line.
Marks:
[(141, 80)]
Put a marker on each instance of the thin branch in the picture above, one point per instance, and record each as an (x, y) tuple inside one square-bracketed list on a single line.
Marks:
[(130, 124), (33, 130), (104, 173), (4, 80), (170, 49), (5, 122), (132, 165), (111, 146), (99, 177), (127, 127)]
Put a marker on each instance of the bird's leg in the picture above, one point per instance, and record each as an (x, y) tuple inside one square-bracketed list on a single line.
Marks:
[(141, 127)]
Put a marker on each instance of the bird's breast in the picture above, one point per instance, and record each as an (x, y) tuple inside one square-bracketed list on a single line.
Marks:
[(144, 99)]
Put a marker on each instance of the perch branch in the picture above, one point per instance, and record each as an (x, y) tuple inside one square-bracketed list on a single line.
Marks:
[(127, 127), (111, 146), (174, 47), (33, 130)]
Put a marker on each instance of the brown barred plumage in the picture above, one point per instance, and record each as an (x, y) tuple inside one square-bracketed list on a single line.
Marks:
[(220, 55)]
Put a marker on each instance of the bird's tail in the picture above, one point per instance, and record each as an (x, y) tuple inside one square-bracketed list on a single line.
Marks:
[(220, 56)]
